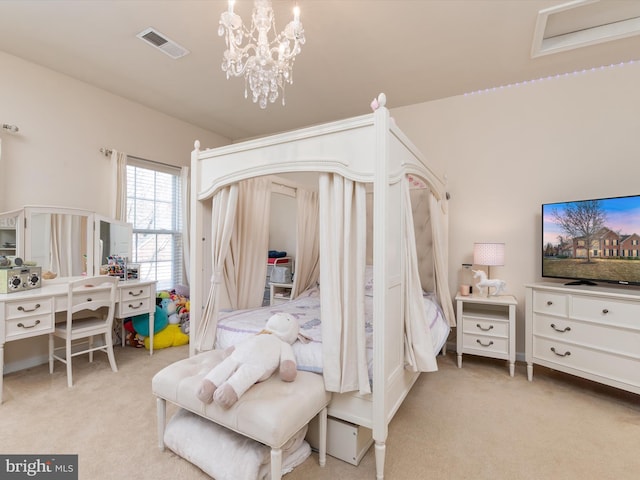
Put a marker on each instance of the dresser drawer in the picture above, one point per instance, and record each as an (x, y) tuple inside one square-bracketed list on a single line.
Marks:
[(485, 345), (482, 326), (606, 311), (584, 360), (595, 335), (29, 326), (550, 303)]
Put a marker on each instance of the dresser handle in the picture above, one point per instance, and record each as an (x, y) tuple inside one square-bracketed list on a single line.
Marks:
[(136, 294), (549, 303), (565, 354), (485, 345), (22, 325), (136, 307), (22, 309), (605, 311), (565, 329)]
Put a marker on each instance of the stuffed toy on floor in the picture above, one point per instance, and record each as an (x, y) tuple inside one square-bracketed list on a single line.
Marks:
[(253, 360)]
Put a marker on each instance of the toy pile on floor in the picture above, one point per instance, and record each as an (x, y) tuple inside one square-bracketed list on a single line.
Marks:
[(171, 321)]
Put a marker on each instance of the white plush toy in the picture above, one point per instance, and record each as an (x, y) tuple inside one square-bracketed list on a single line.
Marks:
[(253, 360)]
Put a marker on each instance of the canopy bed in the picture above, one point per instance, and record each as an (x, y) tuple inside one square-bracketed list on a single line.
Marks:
[(357, 184)]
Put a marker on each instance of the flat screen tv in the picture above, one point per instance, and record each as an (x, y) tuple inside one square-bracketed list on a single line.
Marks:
[(589, 241)]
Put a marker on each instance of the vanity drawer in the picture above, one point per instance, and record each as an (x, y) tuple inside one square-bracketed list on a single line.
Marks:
[(29, 326), (133, 306), (27, 308), (134, 292)]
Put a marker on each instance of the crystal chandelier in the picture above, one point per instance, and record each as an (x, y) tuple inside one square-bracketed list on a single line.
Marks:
[(266, 65)]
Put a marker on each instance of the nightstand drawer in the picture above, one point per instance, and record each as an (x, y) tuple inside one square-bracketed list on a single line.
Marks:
[(485, 345), (481, 326)]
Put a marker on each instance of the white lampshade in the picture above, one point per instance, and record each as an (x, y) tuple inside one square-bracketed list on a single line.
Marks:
[(491, 254)]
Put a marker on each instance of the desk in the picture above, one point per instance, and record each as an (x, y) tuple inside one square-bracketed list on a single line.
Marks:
[(32, 312)]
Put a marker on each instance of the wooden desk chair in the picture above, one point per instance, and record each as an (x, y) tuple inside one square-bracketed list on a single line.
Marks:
[(90, 311)]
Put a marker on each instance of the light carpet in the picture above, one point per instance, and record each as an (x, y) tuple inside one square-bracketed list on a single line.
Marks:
[(470, 423)]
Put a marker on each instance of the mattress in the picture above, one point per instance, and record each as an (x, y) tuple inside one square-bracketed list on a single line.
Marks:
[(236, 325)]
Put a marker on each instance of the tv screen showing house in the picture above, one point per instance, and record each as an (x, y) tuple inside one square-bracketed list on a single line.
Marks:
[(596, 240)]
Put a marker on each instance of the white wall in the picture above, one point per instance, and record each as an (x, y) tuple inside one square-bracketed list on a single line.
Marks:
[(55, 158), (507, 151)]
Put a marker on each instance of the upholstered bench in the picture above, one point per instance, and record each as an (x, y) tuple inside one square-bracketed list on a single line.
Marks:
[(270, 412)]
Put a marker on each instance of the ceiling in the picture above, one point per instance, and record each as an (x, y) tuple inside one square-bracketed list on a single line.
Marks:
[(414, 51)]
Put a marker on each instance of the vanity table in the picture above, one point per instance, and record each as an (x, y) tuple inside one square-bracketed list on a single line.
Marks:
[(32, 312), (70, 243)]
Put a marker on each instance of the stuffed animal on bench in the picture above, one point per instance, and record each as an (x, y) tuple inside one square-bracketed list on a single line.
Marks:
[(253, 360)]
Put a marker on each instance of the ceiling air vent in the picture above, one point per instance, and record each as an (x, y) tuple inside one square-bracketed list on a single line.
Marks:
[(162, 43)]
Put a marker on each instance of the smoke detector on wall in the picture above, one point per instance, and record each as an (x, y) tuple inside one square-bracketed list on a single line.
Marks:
[(162, 43)]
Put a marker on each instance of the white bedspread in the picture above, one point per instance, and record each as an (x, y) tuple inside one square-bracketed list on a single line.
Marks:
[(236, 325)]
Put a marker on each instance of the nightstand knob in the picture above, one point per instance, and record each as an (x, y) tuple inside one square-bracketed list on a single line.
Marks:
[(605, 311), (549, 303)]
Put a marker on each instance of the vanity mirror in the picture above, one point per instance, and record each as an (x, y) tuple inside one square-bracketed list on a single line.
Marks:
[(66, 241), (60, 240)]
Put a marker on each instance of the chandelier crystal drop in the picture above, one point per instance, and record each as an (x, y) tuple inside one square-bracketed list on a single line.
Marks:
[(267, 65)]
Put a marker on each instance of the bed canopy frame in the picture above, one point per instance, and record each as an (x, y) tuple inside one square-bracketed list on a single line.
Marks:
[(370, 150)]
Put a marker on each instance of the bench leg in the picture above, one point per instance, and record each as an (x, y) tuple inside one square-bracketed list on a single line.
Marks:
[(276, 463), (322, 430), (161, 405)]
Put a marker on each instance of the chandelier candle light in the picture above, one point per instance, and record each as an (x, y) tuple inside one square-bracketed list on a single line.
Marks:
[(267, 65)]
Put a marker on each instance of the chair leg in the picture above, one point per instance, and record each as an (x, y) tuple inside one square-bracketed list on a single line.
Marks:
[(68, 361), (90, 349), (112, 359), (276, 463)]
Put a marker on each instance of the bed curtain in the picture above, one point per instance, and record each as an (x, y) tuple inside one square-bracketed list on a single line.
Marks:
[(307, 242), (342, 309)]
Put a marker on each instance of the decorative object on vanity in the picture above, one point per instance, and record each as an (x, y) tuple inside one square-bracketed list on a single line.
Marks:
[(266, 65), (19, 278), (487, 327), (489, 255), (591, 332)]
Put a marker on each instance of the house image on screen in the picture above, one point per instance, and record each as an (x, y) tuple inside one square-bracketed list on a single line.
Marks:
[(608, 244)]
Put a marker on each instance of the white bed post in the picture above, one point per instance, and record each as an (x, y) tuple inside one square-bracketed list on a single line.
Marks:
[(381, 280), (196, 253)]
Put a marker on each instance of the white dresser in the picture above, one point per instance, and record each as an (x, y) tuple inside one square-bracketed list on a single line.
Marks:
[(591, 332)]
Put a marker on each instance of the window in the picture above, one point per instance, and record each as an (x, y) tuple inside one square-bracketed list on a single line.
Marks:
[(155, 211)]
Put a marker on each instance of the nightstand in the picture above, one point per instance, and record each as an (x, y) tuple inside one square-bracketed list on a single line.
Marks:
[(487, 327), (279, 292)]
